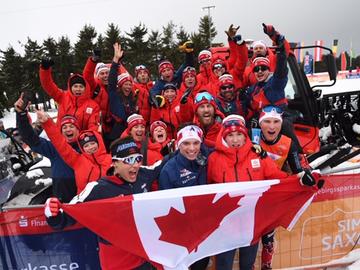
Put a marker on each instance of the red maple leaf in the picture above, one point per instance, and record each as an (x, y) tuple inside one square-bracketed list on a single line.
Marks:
[(200, 219)]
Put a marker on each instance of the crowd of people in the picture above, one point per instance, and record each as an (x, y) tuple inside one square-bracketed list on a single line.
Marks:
[(193, 128)]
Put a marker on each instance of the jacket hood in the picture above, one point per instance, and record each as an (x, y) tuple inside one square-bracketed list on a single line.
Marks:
[(232, 154), (100, 155), (86, 95)]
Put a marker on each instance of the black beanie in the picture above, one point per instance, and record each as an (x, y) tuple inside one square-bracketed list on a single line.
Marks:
[(77, 79), (87, 137), (124, 148)]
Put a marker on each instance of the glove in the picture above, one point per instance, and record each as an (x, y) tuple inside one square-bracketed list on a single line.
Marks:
[(254, 123), (96, 54), (307, 179), (259, 150), (185, 96), (269, 30), (168, 148), (231, 32), (238, 39), (47, 62), (52, 207), (187, 47), (160, 101)]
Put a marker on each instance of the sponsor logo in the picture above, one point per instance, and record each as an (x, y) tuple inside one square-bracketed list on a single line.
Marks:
[(89, 110), (184, 172), (63, 266), (23, 222), (255, 163)]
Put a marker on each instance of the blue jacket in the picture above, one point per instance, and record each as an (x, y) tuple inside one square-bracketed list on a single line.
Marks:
[(181, 172), (64, 186)]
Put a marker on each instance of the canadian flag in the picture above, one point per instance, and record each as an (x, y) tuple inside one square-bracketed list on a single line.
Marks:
[(177, 227)]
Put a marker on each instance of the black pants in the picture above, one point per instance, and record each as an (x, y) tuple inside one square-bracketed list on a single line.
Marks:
[(247, 257), (201, 264), (145, 266)]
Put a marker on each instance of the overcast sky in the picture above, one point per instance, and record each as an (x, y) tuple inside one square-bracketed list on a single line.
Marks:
[(306, 20)]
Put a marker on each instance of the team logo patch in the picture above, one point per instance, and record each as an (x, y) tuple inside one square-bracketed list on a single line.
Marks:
[(255, 163), (89, 110)]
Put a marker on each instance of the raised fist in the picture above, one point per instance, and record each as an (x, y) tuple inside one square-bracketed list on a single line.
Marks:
[(47, 62), (231, 32), (52, 207)]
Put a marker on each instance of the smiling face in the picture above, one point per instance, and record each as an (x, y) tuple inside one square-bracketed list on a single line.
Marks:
[(169, 94), (70, 132), (103, 76), (190, 148), (206, 113), (270, 128), (138, 132), (261, 73), (126, 88), (235, 139), (190, 81), (126, 171), (78, 89), (90, 147), (159, 135)]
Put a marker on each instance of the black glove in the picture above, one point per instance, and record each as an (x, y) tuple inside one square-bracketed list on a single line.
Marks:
[(47, 62), (185, 96), (238, 39), (96, 54), (153, 101), (254, 123), (259, 150), (306, 178), (168, 148), (269, 30)]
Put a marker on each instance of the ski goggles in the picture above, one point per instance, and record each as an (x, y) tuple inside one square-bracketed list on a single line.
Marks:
[(203, 61), (260, 68), (203, 96), (272, 108), (140, 67), (130, 160), (218, 66), (231, 123)]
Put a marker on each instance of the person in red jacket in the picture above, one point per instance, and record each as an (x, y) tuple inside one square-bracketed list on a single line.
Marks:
[(136, 126), (204, 76), (205, 114), (189, 82), (169, 112), (76, 101), (142, 86), (236, 159), (158, 142), (91, 163)]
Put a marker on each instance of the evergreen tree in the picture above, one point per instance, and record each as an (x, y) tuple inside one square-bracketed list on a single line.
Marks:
[(64, 61), (100, 42), (33, 53), (137, 47), (155, 48), (207, 30), (84, 47), (182, 36), (112, 35), (11, 75), (169, 44)]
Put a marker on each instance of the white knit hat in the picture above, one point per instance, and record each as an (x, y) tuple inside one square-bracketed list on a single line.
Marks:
[(189, 132)]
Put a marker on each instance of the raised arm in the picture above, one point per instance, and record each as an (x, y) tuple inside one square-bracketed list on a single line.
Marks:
[(47, 81)]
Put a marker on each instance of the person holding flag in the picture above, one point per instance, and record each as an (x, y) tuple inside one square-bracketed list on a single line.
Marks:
[(126, 176)]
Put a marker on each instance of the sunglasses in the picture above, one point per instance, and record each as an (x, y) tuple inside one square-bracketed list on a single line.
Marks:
[(217, 66), (260, 68), (269, 109), (130, 160), (204, 95), (225, 87)]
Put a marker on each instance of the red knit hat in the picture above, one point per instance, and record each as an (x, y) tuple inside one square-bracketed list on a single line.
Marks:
[(69, 119), (226, 79), (203, 98), (87, 136), (124, 77), (204, 55), (165, 64), (189, 71), (139, 68), (134, 120), (157, 124), (234, 122), (261, 61)]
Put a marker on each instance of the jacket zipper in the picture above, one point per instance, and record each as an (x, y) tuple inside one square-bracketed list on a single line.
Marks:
[(248, 172), (236, 174)]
